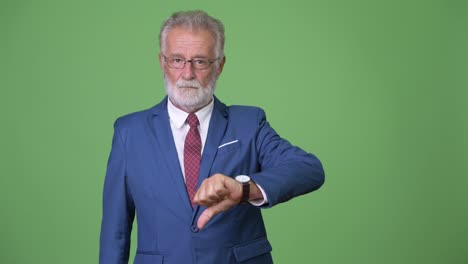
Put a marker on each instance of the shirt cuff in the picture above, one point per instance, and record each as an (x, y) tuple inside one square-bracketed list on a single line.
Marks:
[(260, 202)]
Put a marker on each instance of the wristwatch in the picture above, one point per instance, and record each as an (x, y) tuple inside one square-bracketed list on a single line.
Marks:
[(244, 180)]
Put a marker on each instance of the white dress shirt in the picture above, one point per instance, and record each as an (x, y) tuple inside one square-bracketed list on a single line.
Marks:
[(180, 129)]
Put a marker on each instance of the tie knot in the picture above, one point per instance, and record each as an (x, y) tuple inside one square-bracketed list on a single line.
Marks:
[(192, 120)]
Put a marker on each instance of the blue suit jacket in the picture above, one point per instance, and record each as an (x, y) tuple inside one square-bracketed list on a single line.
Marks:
[(144, 176)]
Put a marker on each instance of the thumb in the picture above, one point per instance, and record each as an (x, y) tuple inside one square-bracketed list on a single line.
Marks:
[(211, 211)]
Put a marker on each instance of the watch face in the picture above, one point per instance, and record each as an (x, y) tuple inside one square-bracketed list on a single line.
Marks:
[(242, 178)]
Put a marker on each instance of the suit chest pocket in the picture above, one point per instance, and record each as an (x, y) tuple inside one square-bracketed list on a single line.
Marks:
[(228, 148), (232, 160)]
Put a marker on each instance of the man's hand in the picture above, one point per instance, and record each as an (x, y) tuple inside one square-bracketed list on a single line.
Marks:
[(218, 193)]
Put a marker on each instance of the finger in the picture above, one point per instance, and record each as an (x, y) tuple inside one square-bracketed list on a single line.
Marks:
[(207, 215), (204, 218), (211, 192), (217, 194), (201, 192), (222, 192), (210, 212), (209, 200)]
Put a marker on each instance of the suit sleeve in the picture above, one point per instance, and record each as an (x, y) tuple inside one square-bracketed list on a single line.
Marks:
[(118, 209), (286, 171)]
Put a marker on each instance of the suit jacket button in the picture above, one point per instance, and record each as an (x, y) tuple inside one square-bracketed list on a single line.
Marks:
[(195, 229)]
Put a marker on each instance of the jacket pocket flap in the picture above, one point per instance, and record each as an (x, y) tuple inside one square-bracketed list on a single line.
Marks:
[(148, 259), (252, 249)]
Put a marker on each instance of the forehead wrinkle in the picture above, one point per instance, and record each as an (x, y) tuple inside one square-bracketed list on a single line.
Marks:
[(189, 42), (196, 49)]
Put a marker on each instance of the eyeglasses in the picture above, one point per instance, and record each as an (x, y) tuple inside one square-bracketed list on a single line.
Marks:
[(179, 63)]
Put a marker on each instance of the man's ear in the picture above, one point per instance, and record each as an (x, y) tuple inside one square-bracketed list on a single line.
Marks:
[(161, 60), (221, 66)]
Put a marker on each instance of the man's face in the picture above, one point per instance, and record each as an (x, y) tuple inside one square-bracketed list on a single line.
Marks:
[(190, 89)]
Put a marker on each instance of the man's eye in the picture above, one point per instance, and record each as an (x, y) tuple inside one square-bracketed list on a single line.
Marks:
[(200, 62), (177, 60)]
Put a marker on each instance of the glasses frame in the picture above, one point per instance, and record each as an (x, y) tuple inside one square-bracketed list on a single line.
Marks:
[(191, 63)]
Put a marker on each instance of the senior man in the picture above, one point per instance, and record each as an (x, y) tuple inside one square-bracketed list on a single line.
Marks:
[(195, 171)]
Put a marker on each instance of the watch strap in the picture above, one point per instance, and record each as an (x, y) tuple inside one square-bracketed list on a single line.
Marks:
[(245, 192)]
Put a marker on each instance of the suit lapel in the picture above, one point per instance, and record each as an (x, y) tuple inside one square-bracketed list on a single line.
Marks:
[(216, 130), (165, 144), (163, 134)]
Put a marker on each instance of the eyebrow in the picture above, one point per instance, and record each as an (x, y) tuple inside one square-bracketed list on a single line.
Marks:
[(194, 57)]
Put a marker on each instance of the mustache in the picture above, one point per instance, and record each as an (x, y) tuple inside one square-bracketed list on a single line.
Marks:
[(188, 84)]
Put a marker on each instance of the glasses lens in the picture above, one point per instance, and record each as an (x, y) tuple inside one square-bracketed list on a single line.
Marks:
[(200, 64), (177, 63)]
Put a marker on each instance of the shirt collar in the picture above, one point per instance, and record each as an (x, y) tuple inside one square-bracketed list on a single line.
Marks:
[(178, 116)]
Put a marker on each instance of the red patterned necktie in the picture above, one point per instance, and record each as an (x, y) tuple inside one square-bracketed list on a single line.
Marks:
[(192, 156)]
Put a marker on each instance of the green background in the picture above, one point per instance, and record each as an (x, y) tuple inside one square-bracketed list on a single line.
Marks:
[(376, 89)]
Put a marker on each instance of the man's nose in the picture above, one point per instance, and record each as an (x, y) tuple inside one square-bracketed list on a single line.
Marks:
[(188, 72)]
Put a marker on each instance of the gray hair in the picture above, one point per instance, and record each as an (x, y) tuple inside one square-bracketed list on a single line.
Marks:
[(194, 20)]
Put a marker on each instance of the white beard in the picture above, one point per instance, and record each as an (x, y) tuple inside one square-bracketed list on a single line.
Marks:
[(190, 96)]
